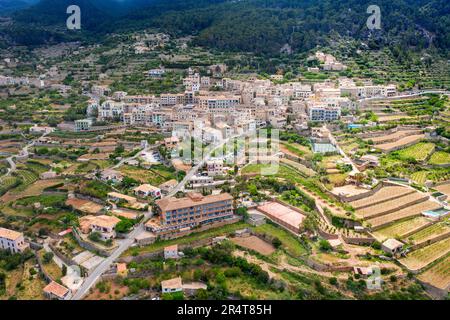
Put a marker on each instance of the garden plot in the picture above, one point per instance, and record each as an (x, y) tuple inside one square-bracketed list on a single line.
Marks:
[(438, 275), (414, 210), (387, 206), (384, 194), (256, 244), (400, 229), (419, 259)]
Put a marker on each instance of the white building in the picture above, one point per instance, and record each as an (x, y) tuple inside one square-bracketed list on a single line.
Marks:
[(12, 240)]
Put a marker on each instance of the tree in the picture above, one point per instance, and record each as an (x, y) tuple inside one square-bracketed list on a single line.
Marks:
[(276, 242), (47, 257), (325, 245)]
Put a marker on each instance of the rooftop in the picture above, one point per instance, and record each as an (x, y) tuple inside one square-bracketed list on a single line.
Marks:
[(56, 289), (193, 199), (10, 234), (174, 283)]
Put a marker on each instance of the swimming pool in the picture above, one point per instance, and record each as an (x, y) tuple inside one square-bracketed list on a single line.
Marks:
[(437, 213)]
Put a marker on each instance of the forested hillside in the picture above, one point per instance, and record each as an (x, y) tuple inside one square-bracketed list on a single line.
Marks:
[(261, 26)]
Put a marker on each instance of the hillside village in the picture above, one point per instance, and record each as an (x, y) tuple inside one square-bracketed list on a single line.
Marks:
[(178, 179)]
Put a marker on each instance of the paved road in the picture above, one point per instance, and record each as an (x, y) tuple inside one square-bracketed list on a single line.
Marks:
[(92, 279), (23, 153)]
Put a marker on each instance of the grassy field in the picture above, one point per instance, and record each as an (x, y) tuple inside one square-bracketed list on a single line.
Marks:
[(440, 157), (288, 240), (419, 151)]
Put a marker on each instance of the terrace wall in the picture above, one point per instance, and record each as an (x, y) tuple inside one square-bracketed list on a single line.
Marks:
[(361, 195), (89, 246), (327, 268), (358, 241)]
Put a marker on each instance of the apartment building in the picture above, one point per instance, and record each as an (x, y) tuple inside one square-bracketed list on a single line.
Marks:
[(110, 109), (323, 113), (368, 91), (83, 125), (219, 103), (12, 240), (178, 215)]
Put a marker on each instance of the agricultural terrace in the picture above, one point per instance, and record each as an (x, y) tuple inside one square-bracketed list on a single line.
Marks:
[(444, 188), (256, 244), (384, 194), (402, 228), (438, 275), (440, 157), (390, 205), (430, 233), (419, 152), (414, 210), (420, 258), (387, 147)]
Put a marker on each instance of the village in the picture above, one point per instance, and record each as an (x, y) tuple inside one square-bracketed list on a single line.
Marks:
[(225, 187)]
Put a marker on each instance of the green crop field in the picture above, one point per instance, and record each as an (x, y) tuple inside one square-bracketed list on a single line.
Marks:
[(420, 176), (440, 157), (419, 151)]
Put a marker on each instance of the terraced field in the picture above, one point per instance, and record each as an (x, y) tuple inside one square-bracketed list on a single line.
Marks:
[(7, 183), (393, 136), (420, 258), (400, 229), (444, 188), (438, 275), (420, 177), (386, 147), (430, 233), (387, 206), (411, 211), (384, 194), (440, 157), (419, 151), (27, 177)]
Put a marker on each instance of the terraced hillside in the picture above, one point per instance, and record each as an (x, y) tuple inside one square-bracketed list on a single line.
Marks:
[(438, 275), (392, 205), (382, 195), (408, 212), (419, 259)]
